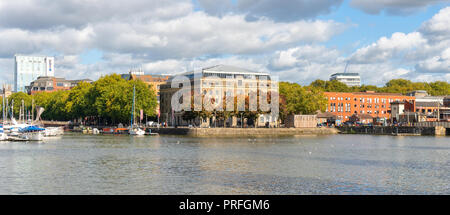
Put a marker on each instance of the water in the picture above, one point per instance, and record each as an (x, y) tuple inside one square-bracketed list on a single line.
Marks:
[(335, 164)]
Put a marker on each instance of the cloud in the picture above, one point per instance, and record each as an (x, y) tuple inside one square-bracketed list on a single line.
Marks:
[(438, 27), (44, 14), (392, 7), (278, 10), (64, 40), (168, 36), (386, 49), (201, 34)]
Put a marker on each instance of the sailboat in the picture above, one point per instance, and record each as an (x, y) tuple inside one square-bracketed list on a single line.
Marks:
[(136, 130), (3, 136), (32, 132), (26, 132)]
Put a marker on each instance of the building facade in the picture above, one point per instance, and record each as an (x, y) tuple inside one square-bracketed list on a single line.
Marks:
[(431, 107), (51, 84), (153, 81), (213, 81), (350, 79), (6, 90), (29, 68), (378, 105)]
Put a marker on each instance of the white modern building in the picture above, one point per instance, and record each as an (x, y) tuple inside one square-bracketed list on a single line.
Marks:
[(29, 68), (350, 79)]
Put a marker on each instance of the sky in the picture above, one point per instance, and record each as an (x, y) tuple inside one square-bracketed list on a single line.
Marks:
[(297, 40)]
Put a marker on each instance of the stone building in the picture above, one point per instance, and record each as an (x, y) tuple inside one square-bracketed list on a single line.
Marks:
[(51, 84), (207, 87)]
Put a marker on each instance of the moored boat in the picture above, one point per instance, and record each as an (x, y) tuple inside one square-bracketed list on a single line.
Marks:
[(32, 133), (137, 131), (53, 131), (3, 136)]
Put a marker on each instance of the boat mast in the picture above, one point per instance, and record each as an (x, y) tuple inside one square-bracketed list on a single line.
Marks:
[(23, 112), (12, 109), (3, 108), (132, 113)]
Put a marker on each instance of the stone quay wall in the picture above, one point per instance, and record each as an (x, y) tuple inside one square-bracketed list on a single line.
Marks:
[(244, 132), (394, 130)]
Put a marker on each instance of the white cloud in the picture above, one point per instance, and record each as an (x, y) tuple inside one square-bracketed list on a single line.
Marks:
[(44, 14), (201, 34), (163, 36), (386, 49), (438, 27)]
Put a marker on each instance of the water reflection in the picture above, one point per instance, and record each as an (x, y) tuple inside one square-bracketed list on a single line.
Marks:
[(338, 164)]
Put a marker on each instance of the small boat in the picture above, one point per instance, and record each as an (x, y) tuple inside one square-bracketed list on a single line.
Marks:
[(53, 131), (3, 136), (134, 130), (32, 133), (137, 131), (121, 131), (108, 130), (95, 131)]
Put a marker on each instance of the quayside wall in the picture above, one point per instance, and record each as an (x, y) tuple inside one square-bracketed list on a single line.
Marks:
[(244, 132), (395, 130)]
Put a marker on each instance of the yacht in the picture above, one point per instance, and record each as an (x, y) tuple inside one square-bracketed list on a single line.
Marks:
[(53, 131), (137, 131), (134, 130), (3, 136)]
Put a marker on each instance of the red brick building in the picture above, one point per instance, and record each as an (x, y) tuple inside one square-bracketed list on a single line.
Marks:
[(344, 105), (51, 84)]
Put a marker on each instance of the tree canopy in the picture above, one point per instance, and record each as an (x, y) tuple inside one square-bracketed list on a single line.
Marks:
[(295, 99), (109, 98), (437, 88)]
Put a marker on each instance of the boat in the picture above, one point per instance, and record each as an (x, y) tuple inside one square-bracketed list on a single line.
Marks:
[(3, 136), (137, 131), (134, 130), (53, 131), (121, 131), (95, 131), (32, 133), (108, 130)]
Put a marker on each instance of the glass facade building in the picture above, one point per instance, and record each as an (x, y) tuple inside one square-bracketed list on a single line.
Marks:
[(29, 68)]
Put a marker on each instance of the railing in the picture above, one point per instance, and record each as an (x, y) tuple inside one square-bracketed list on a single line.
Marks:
[(432, 124)]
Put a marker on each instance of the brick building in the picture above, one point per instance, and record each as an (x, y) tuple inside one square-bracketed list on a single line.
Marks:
[(154, 81), (51, 84), (378, 105)]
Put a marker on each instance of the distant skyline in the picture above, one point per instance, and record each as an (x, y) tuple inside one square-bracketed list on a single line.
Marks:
[(298, 40)]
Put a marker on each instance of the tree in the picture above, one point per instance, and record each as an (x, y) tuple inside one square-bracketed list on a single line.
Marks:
[(112, 97), (18, 98), (79, 104), (295, 99)]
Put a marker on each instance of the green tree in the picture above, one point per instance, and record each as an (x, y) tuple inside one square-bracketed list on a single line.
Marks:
[(16, 99), (295, 99)]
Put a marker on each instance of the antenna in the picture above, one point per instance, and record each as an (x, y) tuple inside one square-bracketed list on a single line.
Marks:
[(346, 65)]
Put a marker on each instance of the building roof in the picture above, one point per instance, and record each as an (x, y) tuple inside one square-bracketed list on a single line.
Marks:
[(378, 94), (363, 116), (326, 115), (226, 69), (398, 102), (427, 104), (371, 93), (345, 74)]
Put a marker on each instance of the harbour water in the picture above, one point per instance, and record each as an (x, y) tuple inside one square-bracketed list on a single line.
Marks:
[(327, 164)]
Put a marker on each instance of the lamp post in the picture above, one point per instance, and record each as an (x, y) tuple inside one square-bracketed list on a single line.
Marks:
[(242, 122)]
